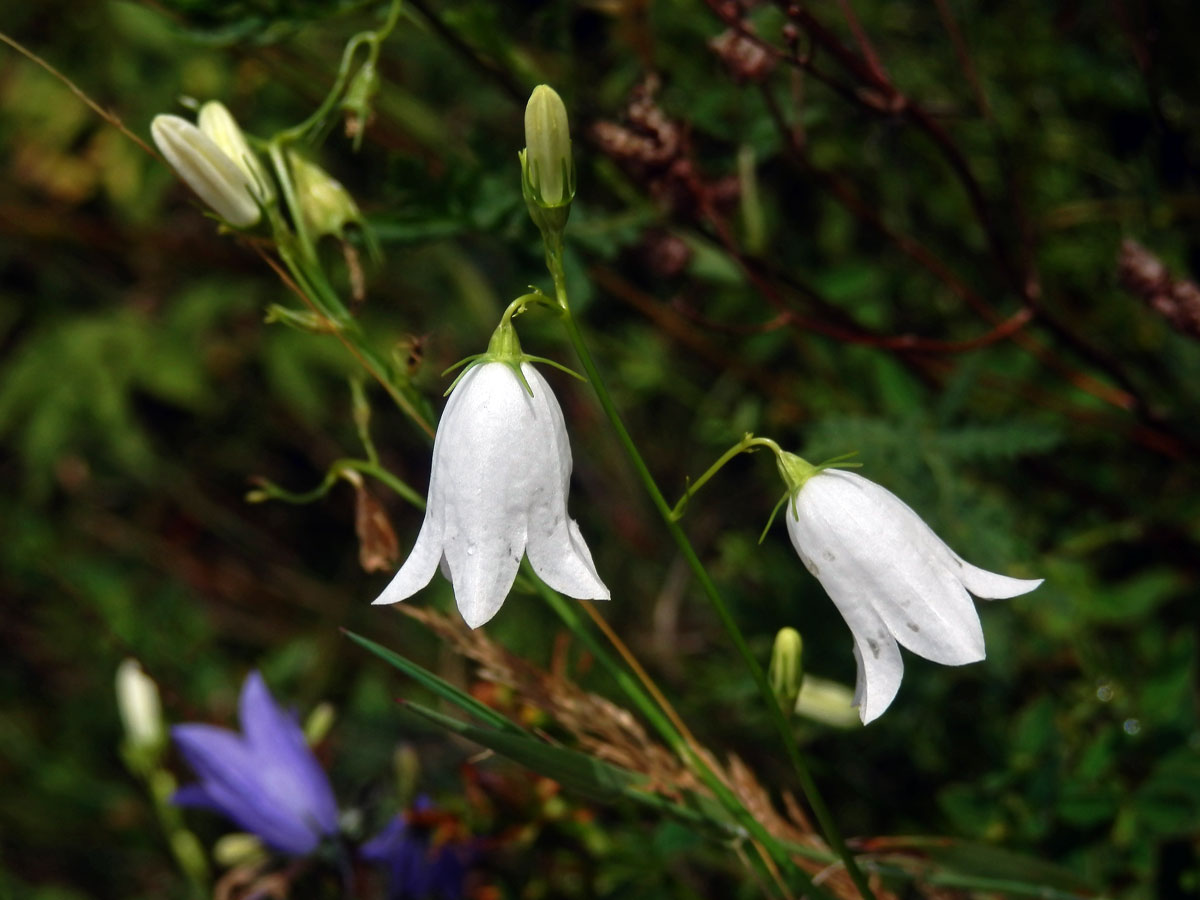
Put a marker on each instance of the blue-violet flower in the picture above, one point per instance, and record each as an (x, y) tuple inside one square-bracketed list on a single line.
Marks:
[(265, 779)]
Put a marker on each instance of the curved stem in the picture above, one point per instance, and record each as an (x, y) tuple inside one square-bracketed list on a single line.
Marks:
[(748, 444), (372, 39), (268, 490)]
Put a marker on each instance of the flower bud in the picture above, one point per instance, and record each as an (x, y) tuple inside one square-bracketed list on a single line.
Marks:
[(829, 702), (547, 169), (207, 169), (358, 104), (139, 707), (327, 206), (238, 848), (548, 147), (786, 672), (219, 124)]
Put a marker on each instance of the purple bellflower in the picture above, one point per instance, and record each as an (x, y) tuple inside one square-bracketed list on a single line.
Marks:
[(423, 862), (265, 779)]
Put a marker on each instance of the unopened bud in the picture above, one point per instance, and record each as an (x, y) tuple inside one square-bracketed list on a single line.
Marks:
[(786, 672), (548, 147), (827, 701), (319, 722), (139, 707), (327, 206), (238, 849), (207, 169), (547, 168), (358, 103), (219, 124)]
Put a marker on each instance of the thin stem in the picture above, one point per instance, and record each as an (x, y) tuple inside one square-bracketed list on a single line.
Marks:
[(807, 784), (747, 444), (284, 174), (372, 39), (268, 490), (294, 278)]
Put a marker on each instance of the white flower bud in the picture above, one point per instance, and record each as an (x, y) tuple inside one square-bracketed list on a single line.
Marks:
[(207, 169), (138, 705), (219, 124), (829, 702)]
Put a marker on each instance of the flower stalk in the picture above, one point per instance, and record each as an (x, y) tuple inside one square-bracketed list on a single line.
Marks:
[(709, 588)]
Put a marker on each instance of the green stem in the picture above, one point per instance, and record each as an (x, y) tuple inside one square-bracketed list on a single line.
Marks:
[(807, 784), (284, 173), (747, 444), (372, 39), (315, 288), (271, 491)]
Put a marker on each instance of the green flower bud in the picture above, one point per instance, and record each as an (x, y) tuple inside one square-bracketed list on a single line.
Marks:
[(548, 147), (238, 849), (547, 169), (829, 702), (327, 206), (358, 103), (318, 723), (219, 124), (786, 672)]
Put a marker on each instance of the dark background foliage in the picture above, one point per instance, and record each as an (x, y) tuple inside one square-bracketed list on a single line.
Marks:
[(894, 229)]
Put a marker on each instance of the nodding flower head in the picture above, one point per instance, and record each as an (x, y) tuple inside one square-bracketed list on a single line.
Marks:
[(893, 580), (498, 491)]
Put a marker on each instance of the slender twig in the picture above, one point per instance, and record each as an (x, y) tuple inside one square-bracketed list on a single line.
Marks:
[(964, 57), (864, 43), (109, 117)]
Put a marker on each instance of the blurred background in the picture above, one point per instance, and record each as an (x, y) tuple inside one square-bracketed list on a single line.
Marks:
[(957, 238)]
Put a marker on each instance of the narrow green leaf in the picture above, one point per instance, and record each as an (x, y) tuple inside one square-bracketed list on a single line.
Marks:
[(439, 686)]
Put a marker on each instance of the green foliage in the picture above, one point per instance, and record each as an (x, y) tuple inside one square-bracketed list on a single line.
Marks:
[(851, 305)]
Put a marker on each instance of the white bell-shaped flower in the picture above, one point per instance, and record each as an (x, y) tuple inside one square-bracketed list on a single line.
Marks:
[(892, 579), (497, 490)]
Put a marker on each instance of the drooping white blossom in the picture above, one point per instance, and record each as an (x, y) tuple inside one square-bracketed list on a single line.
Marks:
[(498, 490), (893, 580)]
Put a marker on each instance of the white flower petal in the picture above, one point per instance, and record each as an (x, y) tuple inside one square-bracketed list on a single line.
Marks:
[(880, 671), (498, 489), (485, 468), (864, 530), (980, 582), (556, 548), (418, 568), (989, 585), (880, 668), (563, 561), (483, 566)]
